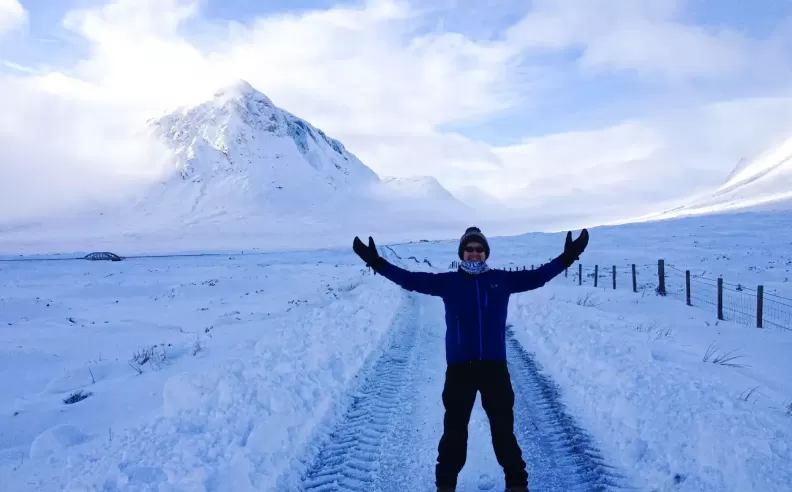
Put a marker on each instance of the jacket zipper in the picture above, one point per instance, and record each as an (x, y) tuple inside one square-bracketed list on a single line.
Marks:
[(481, 336)]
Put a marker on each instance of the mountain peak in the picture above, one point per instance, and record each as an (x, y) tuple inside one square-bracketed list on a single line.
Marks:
[(238, 151), (238, 90)]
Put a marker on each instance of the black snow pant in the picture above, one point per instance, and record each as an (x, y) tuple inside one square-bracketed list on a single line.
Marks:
[(462, 383)]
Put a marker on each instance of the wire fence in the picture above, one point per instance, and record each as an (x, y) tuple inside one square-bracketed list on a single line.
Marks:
[(728, 301)]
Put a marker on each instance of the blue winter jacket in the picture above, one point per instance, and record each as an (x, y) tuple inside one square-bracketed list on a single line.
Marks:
[(475, 305)]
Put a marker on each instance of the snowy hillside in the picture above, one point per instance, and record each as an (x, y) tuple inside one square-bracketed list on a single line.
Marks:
[(764, 183)]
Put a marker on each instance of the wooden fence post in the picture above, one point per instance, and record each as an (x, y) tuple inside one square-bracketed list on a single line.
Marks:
[(596, 275), (661, 277), (614, 277), (687, 287), (635, 279), (580, 273), (759, 305), (720, 299)]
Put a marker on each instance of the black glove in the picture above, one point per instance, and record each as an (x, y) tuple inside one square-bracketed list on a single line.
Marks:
[(368, 253), (573, 249)]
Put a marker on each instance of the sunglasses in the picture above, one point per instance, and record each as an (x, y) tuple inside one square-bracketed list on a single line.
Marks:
[(477, 249)]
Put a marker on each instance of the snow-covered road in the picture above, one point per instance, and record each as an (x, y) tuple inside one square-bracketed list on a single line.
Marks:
[(387, 438)]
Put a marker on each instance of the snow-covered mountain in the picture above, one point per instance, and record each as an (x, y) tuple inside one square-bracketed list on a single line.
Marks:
[(240, 169), (244, 173), (765, 180), (238, 154), (762, 183)]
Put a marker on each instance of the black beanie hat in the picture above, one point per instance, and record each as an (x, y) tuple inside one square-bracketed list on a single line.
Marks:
[(470, 235)]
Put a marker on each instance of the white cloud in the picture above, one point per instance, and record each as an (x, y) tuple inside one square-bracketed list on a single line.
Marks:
[(347, 68), (59, 154), (12, 15), (667, 49), (369, 76), (644, 37), (449, 156), (634, 166)]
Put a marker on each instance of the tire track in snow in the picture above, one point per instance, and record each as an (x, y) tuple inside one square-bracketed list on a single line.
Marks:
[(540, 417), (386, 440), (350, 458)]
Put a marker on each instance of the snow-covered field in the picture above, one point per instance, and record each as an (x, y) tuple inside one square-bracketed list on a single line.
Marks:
[(251, 353), (248, 348)]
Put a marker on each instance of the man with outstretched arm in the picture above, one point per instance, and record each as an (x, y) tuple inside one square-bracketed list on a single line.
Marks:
[(476, 299)]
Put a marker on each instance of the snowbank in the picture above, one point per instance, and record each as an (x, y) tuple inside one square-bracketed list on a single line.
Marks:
[(631, 369), (281, 350)]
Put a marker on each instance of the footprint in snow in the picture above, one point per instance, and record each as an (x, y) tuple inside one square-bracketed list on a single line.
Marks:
[(486, 481)]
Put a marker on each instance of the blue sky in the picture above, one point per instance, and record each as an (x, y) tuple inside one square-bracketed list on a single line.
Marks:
[(756, 17), (515, 98), (580, 100)]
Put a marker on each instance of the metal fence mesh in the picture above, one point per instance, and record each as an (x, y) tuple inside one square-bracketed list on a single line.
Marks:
[(739, 303)]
